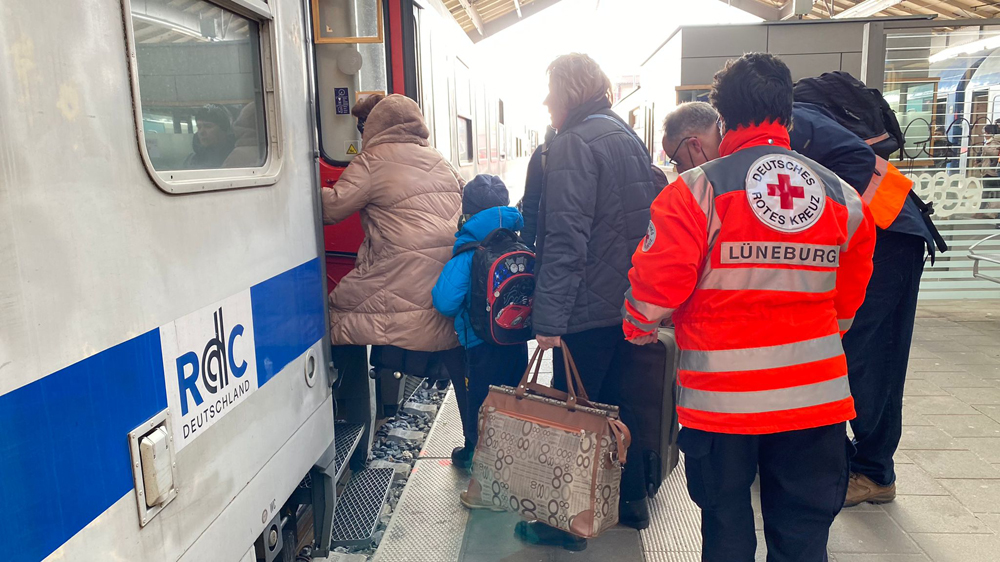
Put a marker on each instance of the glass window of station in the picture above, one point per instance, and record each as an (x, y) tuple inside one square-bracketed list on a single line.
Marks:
[(944, 85), (350, 64)]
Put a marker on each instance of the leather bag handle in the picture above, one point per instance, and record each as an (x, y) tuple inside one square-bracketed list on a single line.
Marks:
[(575, 392), (623, 437)]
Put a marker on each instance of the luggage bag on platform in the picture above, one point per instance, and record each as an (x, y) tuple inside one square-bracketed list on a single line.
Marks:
[(549, 455), (650, 382)]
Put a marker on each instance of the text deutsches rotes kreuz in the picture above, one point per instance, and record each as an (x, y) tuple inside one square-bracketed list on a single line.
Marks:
[(784, 193)]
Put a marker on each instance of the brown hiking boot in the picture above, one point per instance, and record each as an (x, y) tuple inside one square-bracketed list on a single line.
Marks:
[(862, 489)]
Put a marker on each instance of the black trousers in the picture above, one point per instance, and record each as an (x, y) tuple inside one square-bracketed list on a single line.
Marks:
[(490, 365), (599, 355), (803, 483), (878, 347)]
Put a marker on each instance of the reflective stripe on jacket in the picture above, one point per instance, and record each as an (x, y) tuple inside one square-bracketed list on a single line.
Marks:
[(760, 259)]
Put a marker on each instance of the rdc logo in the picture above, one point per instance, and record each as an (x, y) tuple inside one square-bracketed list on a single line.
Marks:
[(206, 375)]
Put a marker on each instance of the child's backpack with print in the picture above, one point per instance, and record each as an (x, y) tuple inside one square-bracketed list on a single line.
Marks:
[(503, 287)]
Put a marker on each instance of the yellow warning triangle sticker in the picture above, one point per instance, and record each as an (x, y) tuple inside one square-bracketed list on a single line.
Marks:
[(351, 149)]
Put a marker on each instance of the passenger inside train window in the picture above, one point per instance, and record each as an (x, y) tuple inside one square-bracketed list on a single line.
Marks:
[(213, 140), (200, 87)]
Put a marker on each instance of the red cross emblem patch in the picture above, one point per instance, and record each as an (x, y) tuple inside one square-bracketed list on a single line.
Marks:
[(785, 193)]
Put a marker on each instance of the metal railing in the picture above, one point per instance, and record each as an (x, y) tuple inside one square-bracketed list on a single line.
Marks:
[(979, 258)]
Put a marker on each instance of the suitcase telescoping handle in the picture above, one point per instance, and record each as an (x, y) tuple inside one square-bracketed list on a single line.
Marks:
[(575, 394)]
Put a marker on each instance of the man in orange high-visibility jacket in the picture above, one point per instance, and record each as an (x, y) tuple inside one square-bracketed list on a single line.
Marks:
[(760, 258)]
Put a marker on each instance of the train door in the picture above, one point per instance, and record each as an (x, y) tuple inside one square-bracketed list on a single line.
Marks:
[(350, 59)]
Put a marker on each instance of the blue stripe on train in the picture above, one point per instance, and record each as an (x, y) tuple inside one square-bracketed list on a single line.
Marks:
[(64, 455), (287, 312)]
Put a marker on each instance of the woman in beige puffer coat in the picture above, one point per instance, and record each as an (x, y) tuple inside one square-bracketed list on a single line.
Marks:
[(410, 199)]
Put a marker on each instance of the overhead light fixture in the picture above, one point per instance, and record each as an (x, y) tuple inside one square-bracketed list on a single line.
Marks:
[(985, 44), (866, 8)]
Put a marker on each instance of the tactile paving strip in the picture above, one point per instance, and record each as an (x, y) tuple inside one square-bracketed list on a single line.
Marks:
[(358, 510), (675, 521), (429, 522), (346, 437), (446, 433)]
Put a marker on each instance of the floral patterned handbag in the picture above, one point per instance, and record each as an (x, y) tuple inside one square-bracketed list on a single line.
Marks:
[(549, 455)]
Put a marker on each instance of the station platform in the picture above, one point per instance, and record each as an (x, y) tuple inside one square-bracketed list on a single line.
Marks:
[(948, 466)]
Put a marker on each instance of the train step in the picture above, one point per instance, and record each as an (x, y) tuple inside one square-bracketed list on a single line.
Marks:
[(346, 438), (360, 506)]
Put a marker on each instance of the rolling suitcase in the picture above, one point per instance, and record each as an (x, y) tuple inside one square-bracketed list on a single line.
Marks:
[(649, 378)]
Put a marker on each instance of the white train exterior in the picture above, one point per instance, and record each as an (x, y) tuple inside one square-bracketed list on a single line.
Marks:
[(128, 293), (164, 380)]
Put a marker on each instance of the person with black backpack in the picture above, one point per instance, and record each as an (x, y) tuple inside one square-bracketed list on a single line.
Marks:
[(487, 250), (878, 344)]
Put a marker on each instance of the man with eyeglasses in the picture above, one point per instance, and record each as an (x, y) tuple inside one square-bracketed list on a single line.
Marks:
[(691, 136)]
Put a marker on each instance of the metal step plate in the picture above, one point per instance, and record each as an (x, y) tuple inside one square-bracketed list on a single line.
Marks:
[(410, 387), (446, 433), (346, 437), (359, 508)]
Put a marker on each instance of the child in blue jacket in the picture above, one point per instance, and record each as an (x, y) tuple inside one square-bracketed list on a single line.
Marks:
[(484, 209)]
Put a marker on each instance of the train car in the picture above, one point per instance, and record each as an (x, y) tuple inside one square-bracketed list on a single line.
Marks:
[(163, 387), (166, 385)]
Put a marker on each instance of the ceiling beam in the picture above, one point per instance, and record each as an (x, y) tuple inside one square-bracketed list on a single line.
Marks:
[(867, 8), (954, 9), (764, 10), (500, 23), (517, 6), (474, 16)]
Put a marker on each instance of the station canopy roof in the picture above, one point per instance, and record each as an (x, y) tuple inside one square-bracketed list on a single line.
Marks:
[(775, 10), (482, 18)]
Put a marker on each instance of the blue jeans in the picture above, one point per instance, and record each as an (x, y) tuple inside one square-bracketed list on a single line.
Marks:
[(878, 347), (488, 364)]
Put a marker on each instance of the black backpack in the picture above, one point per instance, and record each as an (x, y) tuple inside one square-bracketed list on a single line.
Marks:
[(860, 109), (503, 288), (864, 112)]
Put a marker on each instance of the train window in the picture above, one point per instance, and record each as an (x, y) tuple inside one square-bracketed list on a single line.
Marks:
[(465, 140), (200, 89), (500, 116), (481, 128), (347, 21), (463, 95), (494, 135)]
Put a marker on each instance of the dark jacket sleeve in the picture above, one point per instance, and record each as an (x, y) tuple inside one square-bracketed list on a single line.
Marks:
[(533, 184), (819, 137), (570, 197)]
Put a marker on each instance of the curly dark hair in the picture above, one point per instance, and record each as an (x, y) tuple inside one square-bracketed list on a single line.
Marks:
[(753, 89), (365, 106)]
